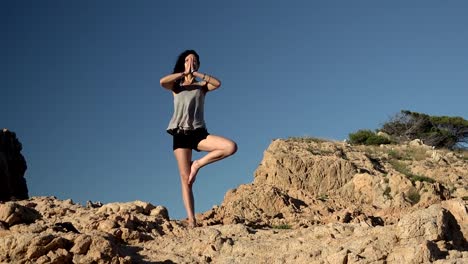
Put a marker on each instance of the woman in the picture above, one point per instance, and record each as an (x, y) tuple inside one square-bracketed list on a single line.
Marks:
[(187, 125)]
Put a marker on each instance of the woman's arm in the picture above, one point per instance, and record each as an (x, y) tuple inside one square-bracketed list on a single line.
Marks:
[(169, 80), (211, 82)]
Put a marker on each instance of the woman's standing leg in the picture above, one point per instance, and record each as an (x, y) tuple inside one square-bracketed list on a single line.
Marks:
[(218, 148), (184, 157)]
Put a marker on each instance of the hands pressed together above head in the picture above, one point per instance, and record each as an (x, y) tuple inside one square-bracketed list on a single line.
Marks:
[(191, 64)]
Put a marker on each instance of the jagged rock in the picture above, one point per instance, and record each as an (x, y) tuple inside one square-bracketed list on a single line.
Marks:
[(160, 212), (288, 165), (12, 168), (363, 208), (132, 207), (428, 224), (13, 213), (81, 245), (91, 204), (256, 205)]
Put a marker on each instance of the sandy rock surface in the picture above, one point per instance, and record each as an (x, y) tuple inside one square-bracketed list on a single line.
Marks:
[(311, 201)]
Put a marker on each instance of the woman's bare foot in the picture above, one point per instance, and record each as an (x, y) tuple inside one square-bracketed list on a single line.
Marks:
[(193, 172), (190, 223)]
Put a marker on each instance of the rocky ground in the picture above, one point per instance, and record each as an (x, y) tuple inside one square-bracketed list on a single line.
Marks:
[(311, 201)]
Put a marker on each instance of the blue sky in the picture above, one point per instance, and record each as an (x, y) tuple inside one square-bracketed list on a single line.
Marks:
[(80, 83)]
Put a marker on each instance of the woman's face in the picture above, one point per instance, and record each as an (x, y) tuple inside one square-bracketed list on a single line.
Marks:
[(191, 63)]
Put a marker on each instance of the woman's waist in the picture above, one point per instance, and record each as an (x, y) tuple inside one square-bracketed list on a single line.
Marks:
[(185, 130)]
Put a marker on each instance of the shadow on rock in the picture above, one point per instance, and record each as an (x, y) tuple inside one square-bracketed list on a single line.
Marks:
[(455, 234), (132, 251)]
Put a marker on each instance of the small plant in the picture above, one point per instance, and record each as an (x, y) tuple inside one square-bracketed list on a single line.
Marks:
[(394, 154), (322, 152), (371, 151), (415, 178), (387, 192), (283, 226), (323, 197), (452, 188), (313, 151), (308, 139), (401, 168), (413, 196), (463, 154), (416, 154)]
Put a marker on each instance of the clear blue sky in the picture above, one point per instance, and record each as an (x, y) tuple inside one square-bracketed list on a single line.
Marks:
[(80, 83)]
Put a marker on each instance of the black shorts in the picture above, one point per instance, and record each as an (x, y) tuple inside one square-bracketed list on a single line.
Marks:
[(189, 139)]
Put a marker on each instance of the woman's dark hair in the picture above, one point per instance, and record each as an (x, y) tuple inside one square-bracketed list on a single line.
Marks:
[(179, 66)]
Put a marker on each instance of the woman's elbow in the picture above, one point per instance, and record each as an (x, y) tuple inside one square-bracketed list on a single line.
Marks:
[(164, 84)]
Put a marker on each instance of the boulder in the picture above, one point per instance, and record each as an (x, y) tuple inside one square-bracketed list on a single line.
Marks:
[(13, 213), (12, 168)]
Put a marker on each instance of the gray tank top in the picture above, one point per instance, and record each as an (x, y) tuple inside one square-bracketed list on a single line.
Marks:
[(189, 104)]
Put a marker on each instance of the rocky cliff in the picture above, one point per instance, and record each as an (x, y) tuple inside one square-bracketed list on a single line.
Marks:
[(12, 168), (311, 201)]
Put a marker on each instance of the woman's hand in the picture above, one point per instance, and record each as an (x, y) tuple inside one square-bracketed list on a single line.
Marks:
[(195, 66), (211, 82), (190, 66), (188, 69)]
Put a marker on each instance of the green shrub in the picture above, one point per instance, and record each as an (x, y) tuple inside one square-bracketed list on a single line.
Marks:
[(413, 196), (414, 178), (414, 153), (400, 167), (323, 197), (367, 137), (377, 140), (394, 154), (417, 154), (403, 169), (387, 191), (360, 136)]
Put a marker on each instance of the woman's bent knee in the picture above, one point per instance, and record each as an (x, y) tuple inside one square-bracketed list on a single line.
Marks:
[(231, 148)]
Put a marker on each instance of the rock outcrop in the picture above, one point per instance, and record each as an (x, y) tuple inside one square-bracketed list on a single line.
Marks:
[(12, 168), (312, 201), (310, 181)]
